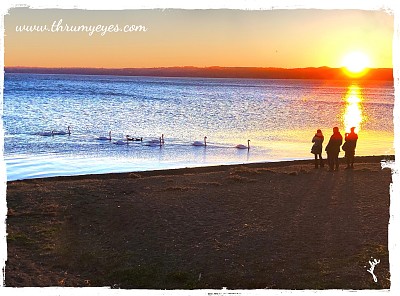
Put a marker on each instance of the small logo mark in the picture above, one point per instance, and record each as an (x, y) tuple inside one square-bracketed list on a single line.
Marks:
[(372, 267)]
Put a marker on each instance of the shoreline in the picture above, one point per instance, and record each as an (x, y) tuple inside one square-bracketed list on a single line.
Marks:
[(219, 167), (326, 73), (282, 225)]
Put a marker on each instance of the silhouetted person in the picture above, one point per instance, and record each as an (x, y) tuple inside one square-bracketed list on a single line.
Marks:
[(316, 149), (333, 149), (349, 147)]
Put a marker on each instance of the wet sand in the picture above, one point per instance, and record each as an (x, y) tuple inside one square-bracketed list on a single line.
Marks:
[(279, 225)]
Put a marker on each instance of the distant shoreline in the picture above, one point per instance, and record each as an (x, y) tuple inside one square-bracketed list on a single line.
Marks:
[(326, 73)]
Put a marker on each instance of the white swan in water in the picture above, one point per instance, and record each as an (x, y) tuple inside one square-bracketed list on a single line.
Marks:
[(155, 143), (68, 132), (122, 142), (200, 143), (241, 146), (159, 140), (105, 138)]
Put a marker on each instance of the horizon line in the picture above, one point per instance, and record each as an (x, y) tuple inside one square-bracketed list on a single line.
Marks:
[(326, 73)]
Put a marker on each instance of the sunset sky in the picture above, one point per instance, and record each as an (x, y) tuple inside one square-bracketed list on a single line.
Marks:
[(233, 38)]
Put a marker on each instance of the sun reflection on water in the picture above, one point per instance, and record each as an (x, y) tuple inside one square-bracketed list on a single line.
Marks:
[(353, 112)]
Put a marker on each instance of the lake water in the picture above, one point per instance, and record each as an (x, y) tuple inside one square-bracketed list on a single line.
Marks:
[(280, 118)]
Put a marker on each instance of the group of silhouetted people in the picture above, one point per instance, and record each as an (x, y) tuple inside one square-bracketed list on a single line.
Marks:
[(333, 148)]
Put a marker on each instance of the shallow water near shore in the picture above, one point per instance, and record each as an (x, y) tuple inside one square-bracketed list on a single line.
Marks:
[(278, 116)]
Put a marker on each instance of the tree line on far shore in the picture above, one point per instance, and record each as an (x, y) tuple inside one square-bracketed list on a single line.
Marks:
[(217, 72)]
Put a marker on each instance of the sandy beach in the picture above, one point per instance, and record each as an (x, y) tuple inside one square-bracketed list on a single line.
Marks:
[(279, 225)]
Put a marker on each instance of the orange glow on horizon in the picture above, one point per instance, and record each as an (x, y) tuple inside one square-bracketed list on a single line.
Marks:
[(355, 74)]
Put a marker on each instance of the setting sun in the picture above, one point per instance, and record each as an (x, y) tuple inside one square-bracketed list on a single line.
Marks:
[(356, 63)]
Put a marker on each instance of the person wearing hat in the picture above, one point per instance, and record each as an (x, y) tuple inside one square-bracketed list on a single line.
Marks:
[(333, 149), (316, 148), (349, 147)]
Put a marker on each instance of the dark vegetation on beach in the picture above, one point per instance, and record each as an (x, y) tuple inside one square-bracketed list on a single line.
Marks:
[(276, 225), (217, 72)]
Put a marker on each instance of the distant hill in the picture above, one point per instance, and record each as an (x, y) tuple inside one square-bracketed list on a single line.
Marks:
[(216, 72)]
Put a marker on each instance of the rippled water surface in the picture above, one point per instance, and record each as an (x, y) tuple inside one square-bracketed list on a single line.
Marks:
[(278, 116)]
